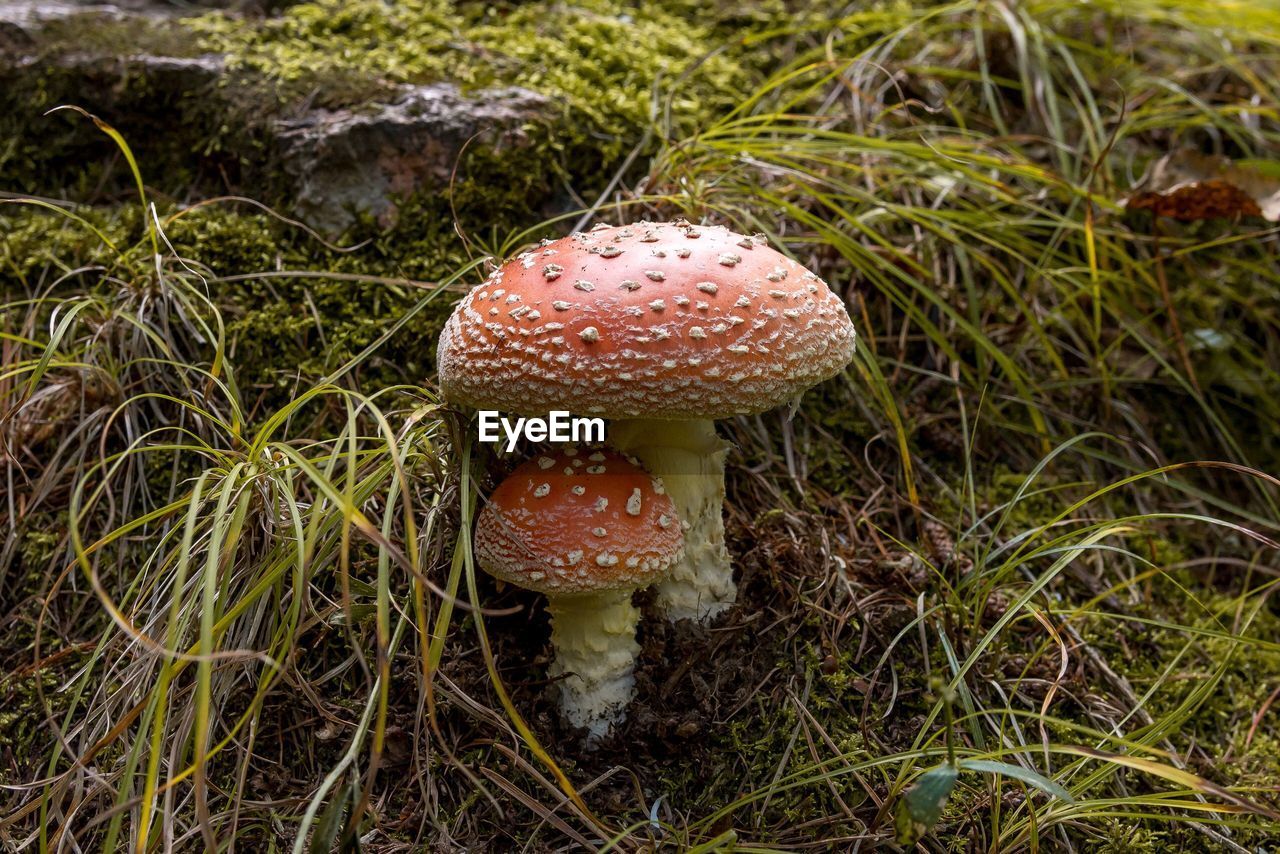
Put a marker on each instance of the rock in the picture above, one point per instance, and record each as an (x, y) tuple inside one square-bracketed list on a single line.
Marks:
[(19, 22), (177, 75), (341, 118), (25, 15), (128, 62), (328, 166), (28, 17), (361, 161)]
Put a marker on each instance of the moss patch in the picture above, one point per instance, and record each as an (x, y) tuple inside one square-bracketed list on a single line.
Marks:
[(607, 66)]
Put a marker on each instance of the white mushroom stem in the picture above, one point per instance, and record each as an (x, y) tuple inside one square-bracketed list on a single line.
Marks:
[(594, 637), (689, 457)]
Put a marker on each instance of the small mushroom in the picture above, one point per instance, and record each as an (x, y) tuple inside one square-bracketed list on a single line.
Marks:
[(686, 325), (587, 538)]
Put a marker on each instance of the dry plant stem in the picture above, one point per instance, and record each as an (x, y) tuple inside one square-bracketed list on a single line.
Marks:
[(689, 457), (594, 637)]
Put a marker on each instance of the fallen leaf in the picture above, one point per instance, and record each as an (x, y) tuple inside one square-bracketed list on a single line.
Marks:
[(1189, 186)]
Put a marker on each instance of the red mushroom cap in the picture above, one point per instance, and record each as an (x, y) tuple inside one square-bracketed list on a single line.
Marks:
[(654, 320), (574, 521)]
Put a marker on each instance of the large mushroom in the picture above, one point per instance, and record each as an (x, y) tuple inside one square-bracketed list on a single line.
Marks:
[(586, 529), (662, 327)]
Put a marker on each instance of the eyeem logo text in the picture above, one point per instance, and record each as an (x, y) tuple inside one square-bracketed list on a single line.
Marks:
[(558, 426)]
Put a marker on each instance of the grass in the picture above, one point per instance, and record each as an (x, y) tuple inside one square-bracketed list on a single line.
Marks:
[(1023, 551)]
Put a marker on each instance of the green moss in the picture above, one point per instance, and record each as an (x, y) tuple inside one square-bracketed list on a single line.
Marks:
[(834, 465), (1223, 714), (600, 63), (1126, 837), (288, 330), (23, 718), (30, 698), (102, 34), (600, 58), (769, 734), (282, 330)]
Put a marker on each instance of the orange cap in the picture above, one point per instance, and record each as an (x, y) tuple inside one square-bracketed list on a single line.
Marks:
[(575, 521), (653, 320)]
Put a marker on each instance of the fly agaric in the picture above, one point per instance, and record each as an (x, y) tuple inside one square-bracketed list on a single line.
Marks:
[(586, 529), (663, 328)]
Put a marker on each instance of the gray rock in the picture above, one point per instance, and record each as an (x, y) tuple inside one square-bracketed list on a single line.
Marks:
[(28, 13), (330, 166), (362, 161), (31, 14)]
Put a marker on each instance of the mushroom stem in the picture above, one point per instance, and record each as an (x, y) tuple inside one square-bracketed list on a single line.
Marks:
[(594, 637), (689, 457)]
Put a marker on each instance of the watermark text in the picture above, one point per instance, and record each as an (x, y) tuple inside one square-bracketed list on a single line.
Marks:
[(558, 426)]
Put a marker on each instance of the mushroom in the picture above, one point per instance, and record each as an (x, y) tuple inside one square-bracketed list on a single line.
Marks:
[(586, 528), (662, 327)]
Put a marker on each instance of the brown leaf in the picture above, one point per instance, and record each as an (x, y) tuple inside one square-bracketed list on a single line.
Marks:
[(1189, 186)]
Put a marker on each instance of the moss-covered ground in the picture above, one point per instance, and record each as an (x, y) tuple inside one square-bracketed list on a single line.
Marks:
[(1041, 505)]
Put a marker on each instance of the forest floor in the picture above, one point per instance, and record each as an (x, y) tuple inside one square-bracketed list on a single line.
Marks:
[(1029, 536)]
